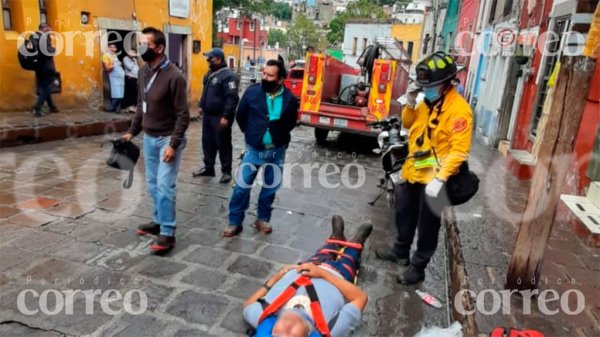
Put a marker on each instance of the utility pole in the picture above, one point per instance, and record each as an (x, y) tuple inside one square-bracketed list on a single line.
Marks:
[(554, 161)]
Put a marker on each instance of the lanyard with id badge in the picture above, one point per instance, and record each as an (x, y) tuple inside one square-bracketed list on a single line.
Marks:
[(148, 86)]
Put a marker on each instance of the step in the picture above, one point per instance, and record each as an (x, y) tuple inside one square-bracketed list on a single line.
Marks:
[(593, 193), (587, 224), (523, 157), (520, 163)]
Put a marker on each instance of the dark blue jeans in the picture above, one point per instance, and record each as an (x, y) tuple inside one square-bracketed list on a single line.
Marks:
[(272, 162), (346, 262), (115, 104), (44, 81)]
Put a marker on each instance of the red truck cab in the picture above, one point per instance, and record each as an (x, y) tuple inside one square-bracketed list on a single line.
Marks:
[(294, 81)]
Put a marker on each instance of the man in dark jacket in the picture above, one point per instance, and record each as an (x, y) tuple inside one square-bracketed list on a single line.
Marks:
[(45, 73), (218, 103), (163, 114), (266, 115)]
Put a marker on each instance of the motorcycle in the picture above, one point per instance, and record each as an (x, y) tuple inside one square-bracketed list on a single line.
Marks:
[(393, 148)]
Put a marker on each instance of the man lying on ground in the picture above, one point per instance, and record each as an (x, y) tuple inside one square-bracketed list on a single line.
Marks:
[(317, 297)]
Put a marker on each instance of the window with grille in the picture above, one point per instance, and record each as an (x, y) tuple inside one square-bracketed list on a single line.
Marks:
[(593, 171), (553, 55), (43, 12), (6, 15), (507, 7), (492, 16)]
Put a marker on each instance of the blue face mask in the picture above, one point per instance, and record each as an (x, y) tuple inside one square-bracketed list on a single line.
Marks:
[(432, 94)]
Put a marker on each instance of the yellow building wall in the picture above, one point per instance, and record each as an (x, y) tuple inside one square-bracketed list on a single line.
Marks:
[(409, 33), (82, 74), (233, 50)]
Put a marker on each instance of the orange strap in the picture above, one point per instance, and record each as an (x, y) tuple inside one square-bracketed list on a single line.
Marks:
[(315, 305), (345, 243)]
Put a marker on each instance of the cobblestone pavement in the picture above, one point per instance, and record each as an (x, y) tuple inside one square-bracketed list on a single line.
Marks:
[(488, 228), (67, 224)]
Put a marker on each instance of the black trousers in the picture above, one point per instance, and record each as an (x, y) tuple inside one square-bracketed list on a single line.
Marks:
[(130, 98), (216, 139), (44, 81), (415, 210)]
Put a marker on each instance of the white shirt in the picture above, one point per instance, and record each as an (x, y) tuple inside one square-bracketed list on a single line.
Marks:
[(131, 67)]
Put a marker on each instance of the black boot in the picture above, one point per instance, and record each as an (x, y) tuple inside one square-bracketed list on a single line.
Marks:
[(337, 228), (412, 275), (204, 172), (148, 229), (225, 178), (389, 255), (362, 234), (162, 244)]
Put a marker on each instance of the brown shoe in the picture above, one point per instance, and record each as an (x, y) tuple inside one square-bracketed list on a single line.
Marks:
[(232, 230), (262, 226)]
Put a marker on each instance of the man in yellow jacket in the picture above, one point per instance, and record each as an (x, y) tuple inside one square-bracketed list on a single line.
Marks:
[(440, 130)]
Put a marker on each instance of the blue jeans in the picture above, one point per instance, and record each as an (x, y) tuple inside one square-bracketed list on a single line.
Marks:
[(254, 159), (347, 263), (161, 178)]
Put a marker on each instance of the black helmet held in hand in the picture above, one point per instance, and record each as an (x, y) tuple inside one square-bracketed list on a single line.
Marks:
[(435, 69)]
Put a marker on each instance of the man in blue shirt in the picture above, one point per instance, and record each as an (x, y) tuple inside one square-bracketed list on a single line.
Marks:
[(275, 310), (267, 113)]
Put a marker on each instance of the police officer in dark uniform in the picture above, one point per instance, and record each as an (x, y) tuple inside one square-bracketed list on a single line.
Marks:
[(218, 104)]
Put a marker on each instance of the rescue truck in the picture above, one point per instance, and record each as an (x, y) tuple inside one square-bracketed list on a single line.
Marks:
[(336, 96)]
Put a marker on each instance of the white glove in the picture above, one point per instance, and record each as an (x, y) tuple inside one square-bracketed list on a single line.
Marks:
[(411, 94), (434, 187)]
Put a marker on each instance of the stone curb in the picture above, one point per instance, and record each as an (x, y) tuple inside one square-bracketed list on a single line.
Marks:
[(458, 274), (46, 133)]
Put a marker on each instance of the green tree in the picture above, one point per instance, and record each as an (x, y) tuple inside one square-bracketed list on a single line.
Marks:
[(335, 34), (282, 11), (302, 34), (361, 9), (277, 35)]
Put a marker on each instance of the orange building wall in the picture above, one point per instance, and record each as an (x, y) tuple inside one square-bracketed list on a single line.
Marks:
[(82, 74)]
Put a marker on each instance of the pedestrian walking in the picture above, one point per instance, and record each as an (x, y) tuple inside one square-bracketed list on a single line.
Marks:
[(440, 130), (131, 66), (45, 71), (116, 75), (218, 103), (266, 115), (163, 114)]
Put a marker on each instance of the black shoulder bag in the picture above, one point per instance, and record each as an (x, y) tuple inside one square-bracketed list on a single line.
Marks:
[(123, 156)]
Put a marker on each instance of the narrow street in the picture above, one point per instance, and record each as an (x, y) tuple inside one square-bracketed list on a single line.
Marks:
[(67, 222)]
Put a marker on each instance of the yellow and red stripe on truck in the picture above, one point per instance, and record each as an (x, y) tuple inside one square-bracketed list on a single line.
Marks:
[(382, 81), (312, 86)]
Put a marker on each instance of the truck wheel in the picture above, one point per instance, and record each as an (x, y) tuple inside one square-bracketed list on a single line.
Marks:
[(321, 136)]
